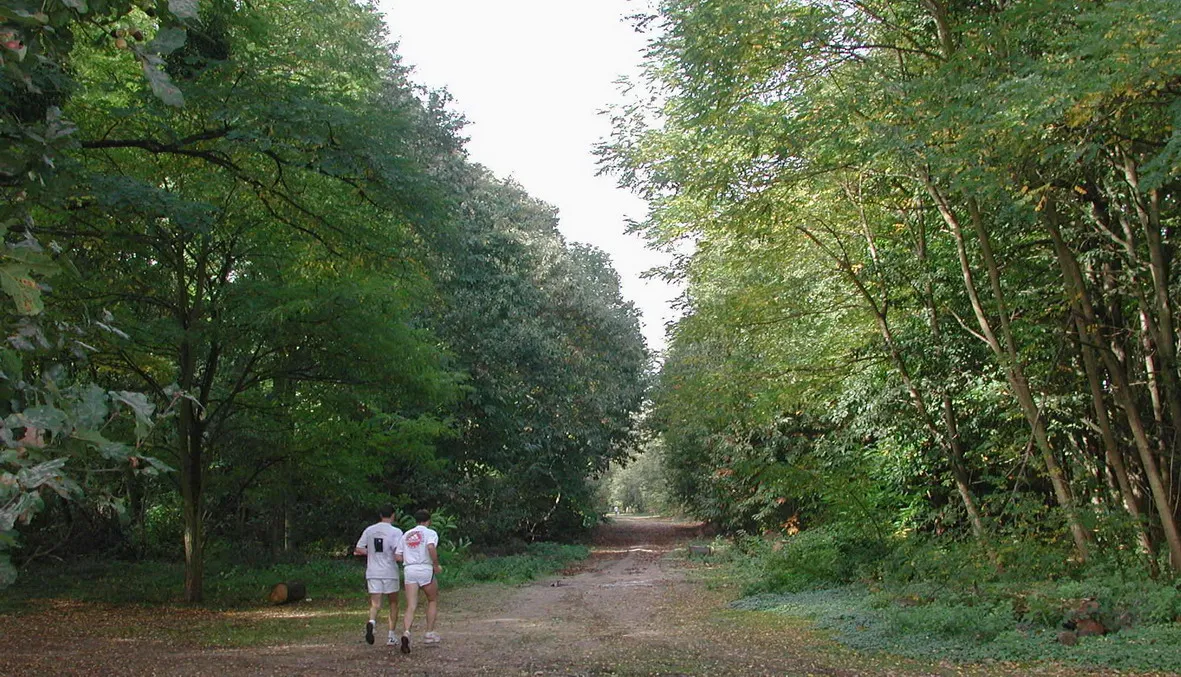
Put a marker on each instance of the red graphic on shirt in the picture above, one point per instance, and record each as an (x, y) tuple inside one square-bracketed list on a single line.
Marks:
[(414, 539)]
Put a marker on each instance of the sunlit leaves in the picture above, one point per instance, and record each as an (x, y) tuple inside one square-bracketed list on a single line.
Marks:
[(16, 282)]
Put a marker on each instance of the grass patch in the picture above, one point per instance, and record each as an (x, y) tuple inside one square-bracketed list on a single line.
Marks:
[(254, 628), (939, 601), (240, 586), (941, 631)]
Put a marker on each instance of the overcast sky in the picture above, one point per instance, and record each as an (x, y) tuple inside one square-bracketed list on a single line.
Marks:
[(531, 77)]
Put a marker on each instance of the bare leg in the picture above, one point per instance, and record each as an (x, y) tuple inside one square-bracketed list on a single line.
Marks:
[(374, 605), (432, 603), (411, 605), (393, 611)]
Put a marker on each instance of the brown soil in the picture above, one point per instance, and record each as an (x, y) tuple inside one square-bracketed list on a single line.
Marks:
[(629, 610)]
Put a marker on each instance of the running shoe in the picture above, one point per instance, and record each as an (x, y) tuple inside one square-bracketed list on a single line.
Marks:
[(432, 638), (393, 640), (369, 632), (406, 642)]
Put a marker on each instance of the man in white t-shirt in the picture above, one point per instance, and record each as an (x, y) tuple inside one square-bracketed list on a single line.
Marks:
[(378, 543), (418, 553)]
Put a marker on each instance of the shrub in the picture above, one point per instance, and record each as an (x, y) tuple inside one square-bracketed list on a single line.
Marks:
[(163, 530), (818, 558), (539, 559)]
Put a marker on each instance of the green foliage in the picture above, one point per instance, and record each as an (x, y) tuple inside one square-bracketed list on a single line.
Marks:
[(814, 559), (162, 531), (539, 559), (638, 486), (273, 235), (238, 585), (557, 370), (928, 250), (968, 633), (928, 597), (48, 414), (446, 525)]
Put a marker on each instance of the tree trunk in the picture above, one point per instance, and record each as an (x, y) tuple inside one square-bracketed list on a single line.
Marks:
[(135, 509), (949, 441), (1159, 262), (1007, 355), (938, 10), (1158, 344), (963, 485), (1121, 389), (286, 525), (1160, 258), (939, 13), (190, 430), (951, 429), (192, 494), (1076, 292), (287, 592)]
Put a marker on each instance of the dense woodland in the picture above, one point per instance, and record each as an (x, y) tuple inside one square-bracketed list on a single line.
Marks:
[(930, 268), (254, 289)]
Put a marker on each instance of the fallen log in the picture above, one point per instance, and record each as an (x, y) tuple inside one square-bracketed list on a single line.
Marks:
[(291, 591)]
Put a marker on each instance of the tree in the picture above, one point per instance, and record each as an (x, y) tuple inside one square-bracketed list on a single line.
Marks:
[(925, 150), (251, 244), (286, 250), (556, 361), (52, 419)]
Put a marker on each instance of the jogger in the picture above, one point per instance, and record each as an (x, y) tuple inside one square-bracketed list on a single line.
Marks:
[(378, 544), (418, 552)]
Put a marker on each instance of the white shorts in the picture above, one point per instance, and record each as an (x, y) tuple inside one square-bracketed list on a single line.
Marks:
[(418, 574), (381, 586)]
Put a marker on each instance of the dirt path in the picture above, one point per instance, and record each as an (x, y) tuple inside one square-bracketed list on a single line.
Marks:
[(621, 613), (629, 610)]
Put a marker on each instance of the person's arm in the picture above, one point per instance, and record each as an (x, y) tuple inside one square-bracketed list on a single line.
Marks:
[(360, 551), (430, 548), (399, 548)]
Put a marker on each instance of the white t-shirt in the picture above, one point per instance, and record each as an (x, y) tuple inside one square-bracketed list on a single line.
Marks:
[(414, 543), (380, 541)]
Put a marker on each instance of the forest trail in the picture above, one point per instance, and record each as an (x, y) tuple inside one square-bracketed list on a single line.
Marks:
[(628, 610)]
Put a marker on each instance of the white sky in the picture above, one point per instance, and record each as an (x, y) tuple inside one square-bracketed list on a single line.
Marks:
[(531, 77)]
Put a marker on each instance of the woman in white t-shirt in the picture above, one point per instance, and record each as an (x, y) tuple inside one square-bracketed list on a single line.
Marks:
[(418, 553)]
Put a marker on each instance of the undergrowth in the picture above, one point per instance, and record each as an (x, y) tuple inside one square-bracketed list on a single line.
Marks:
[(539, 559), (943, 631), (230, 585), (927, 599)]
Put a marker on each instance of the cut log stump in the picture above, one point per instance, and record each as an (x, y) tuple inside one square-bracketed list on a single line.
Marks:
[(291, 591)]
